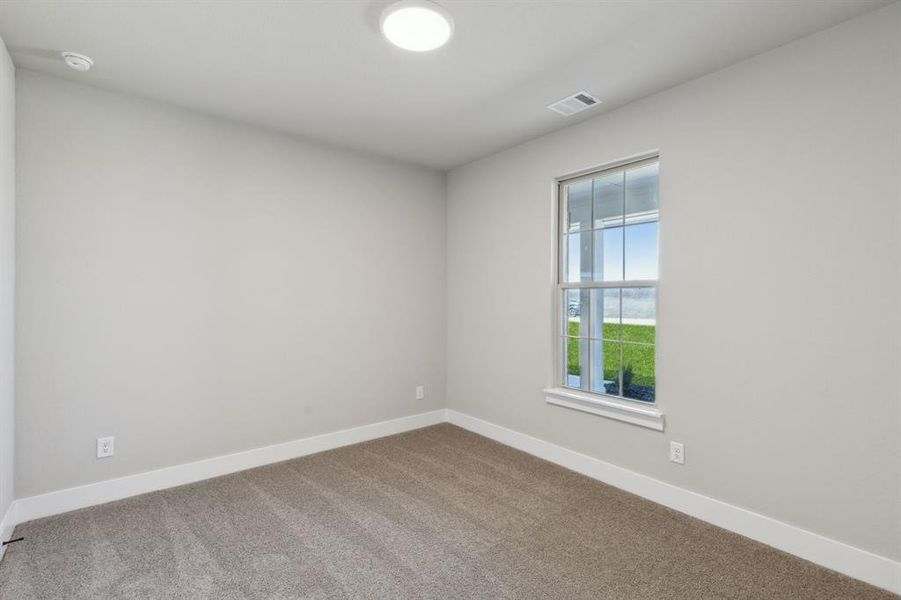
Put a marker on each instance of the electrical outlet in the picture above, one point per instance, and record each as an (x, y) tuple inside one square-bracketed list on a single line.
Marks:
[(677, 453), (420, 392), (106, 447)]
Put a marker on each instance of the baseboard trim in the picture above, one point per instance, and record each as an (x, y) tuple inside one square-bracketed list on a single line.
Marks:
[(838, 556), (7, 525), (52, 503)]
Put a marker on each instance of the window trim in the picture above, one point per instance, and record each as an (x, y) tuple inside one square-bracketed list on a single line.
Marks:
[(605, 405), (612, 407)]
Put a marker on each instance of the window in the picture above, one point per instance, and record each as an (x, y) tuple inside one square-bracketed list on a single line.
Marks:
[(607, 282)]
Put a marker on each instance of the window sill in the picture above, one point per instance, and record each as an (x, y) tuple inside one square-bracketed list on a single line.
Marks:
[(643, 416)]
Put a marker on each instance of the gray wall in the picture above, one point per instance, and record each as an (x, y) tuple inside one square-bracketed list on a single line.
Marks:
[(197, 287), (779, 290), (7, 275)]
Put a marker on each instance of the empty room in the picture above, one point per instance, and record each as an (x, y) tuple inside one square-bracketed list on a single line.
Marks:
[(503, 299)]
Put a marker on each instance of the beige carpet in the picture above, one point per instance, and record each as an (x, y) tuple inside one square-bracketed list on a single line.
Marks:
[(434, 513)]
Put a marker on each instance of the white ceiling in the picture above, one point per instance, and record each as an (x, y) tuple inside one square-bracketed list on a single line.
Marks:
[(321, 69)]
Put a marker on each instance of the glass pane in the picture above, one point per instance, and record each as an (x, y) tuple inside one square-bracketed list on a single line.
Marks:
[(578, 257), (642, 186), (641, 251), (605, 302), (574, 356), (639, 372), (578, 204), (578, 313), (608, 254), (640, 315), (640, 236), (609, 199), (605, 362)]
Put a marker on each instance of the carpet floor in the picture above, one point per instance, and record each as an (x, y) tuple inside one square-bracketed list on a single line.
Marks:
[(434, 513)]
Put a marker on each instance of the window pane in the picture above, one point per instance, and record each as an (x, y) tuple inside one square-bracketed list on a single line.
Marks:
[(639, 373), (641, 251), (608, 254), (605, 367), (605, 302), (640, 236), (575, 354), (578, 312), (641, 193), (578, 205), (578, 257), (609, 200), (640, 315)]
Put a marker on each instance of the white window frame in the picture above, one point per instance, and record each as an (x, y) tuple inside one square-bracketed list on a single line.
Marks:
[(604, 405)]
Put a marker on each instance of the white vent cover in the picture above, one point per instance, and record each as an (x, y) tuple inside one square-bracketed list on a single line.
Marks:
[(574, 104)]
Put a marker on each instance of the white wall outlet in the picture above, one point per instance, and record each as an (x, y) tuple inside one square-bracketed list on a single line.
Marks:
[(105, 447), (677, 452), (420, 392)]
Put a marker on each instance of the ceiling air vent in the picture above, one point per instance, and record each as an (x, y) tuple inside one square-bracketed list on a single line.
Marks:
[(573, 104)]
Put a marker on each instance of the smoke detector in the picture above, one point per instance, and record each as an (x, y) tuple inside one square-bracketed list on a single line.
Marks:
[(79, 62), (574, 104)]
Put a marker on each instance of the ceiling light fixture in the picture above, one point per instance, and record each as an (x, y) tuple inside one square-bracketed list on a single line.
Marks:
[(417, 25), (79, 62)]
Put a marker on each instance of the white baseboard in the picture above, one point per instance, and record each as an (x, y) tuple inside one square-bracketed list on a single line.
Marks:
[(854, 562), (7, 525), (52, 503)]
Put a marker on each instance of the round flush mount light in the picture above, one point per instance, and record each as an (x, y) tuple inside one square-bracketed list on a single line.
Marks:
[(79, 62), (417, 25)]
